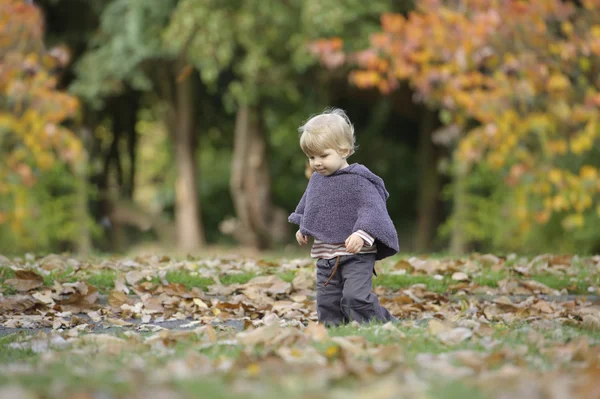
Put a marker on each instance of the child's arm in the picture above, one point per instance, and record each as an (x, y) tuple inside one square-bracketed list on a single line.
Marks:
[(296, 216)]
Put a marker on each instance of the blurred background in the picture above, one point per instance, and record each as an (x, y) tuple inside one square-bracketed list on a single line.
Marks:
[(172, 124)]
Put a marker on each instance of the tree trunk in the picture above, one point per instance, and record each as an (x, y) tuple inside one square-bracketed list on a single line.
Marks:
[(429, 183), (458, 242), (84, 241), (259, 223), (132, 106), (190, 234)]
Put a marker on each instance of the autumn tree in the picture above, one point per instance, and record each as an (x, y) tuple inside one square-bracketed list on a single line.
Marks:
[(516, 85), (36, 137)]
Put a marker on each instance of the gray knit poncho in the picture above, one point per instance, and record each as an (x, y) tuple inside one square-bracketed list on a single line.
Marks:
[(335, 206)]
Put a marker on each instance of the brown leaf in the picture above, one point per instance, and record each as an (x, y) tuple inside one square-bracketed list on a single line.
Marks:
[(79, 302), (134, 276), (44, 296), (460, 276), (591, 322), (403, 265), (25, 280), (17, 303), (317, 332), (118, 298)]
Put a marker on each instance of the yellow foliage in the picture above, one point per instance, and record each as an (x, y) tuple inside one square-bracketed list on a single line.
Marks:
[(573, 221), (580, 144), (559, 203), (555, 176), (558, 83), (588, 172), (557, 147), (567, 28), (518, 79)]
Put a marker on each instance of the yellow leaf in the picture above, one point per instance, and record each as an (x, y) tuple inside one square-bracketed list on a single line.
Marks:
[(588, 172), (559, 203), (567, 28), (557, 147), (557, 82), (332, 351), (585, 64), (555, 176), (253, 369), (573, 221), (200, 303)]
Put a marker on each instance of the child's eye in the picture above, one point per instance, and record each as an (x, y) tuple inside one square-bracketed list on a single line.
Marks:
[(324, 155), (311, 158)]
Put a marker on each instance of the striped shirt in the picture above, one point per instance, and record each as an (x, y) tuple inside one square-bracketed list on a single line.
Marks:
[(322, 250)]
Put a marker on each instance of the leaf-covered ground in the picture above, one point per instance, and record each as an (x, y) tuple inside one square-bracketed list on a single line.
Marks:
[(477, 327)]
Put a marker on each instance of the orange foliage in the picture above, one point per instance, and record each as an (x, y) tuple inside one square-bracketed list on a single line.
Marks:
[(33, 109), (526, 72)]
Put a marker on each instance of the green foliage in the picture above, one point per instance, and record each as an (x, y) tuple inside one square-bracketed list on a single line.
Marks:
[(49, 223), (263, 43), (129, 35)]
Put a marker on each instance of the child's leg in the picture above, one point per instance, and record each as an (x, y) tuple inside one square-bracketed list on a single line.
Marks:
[(358, 301), (329, 296)]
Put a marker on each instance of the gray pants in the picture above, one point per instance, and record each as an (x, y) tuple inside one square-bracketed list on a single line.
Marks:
[(349, 294)]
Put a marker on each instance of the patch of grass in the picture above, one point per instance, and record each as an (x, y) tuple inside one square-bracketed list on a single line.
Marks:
[(108, 381), (489, 278), (558, 283), (218, 351), (62, 276), (455, 390), (6, 273), (288, 276), (189, 280), (215, 388), (241, 278), (104, 280), (400, 281), (11, 355)]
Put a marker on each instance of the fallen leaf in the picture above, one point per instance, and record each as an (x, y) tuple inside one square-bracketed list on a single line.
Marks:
[(460, 276), (25, 280), (455, 336)]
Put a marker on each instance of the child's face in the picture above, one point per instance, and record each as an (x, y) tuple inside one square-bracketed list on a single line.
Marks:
[(328, 162)]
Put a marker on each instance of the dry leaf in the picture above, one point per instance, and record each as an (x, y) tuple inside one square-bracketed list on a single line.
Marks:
[(460, 276), (25, 280)]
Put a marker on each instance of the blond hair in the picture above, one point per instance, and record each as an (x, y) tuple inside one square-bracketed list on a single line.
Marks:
[(331, 129)]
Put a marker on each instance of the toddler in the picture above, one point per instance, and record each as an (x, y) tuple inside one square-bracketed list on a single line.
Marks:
[(343, 209)]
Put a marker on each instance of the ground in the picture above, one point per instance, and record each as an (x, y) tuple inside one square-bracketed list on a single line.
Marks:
[(229, 326)]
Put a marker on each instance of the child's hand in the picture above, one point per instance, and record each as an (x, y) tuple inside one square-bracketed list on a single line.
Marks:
[(301, 238), (354, 243)]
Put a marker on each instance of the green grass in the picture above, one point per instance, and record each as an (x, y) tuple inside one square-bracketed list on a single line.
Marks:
[(288, 276), (104, 280), (188, 279), (454, 390), (401, 281), (241, 278), (13, 355)]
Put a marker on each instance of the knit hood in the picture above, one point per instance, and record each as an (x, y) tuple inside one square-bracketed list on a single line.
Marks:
[(362, 170)]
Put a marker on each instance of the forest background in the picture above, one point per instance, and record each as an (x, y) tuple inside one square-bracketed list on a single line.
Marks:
[(173, 123)]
